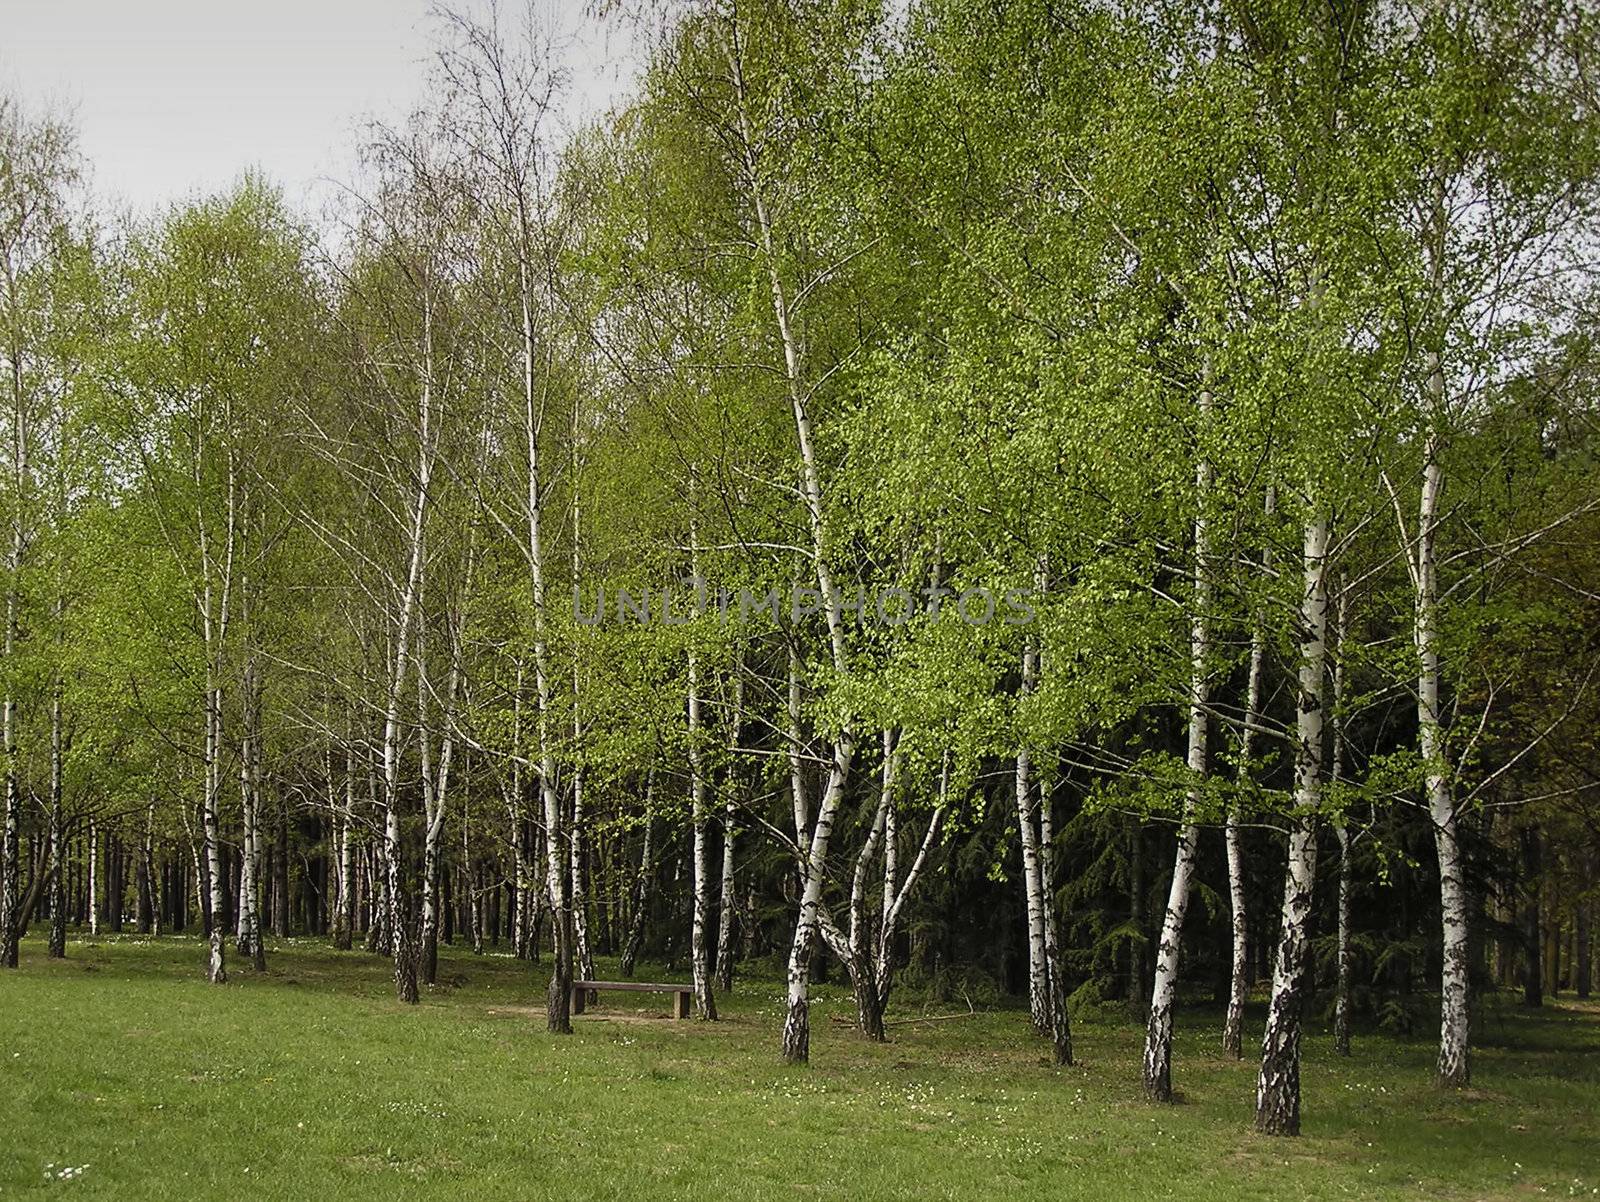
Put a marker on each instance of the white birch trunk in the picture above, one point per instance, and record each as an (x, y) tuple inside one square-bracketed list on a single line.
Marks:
[(1454, 1068), (10, 835), (216, 971), (508, 144), (796, 1044), (247, 933), (558, 998), (436, 780), (345, 917), (93, 882), (1163, 992), (400, 662), (1032, 877), (856, 948), (796, 1040), (522, 875), (868, 956), (896, 892), (582, 950), (812, 840), (433, 823), (150, 866), (249, 917), (699, 958), (577, 866), (729, 899), (699, 951), (216, 587), (1060, 1021), (1278, 1083)]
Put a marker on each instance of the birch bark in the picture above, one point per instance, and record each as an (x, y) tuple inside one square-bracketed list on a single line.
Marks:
[(1032, 878), (796, 1039), (557, 876), (867, 953), (404, 619), (1278, 1083), (344, 922), (214, 601), (10, 835), (1163, 993), (1454, 1066), (728, 909)]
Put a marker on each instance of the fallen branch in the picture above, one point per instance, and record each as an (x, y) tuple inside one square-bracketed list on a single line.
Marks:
[(970, 1012), (932, 1018), (937, 1018)]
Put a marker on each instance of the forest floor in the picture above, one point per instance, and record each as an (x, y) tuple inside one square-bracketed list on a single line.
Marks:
[(122, 1074)]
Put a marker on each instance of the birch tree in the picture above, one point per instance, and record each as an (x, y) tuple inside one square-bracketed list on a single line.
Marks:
[(38, 168), (216, 298), (1494, 198), (505, 82)]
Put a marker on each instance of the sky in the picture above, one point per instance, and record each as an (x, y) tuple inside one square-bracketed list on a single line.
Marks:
[(177, 97)]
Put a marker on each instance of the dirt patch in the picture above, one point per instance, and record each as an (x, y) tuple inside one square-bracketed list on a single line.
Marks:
[(588, 1016), (624, 1017), (518, 1011)]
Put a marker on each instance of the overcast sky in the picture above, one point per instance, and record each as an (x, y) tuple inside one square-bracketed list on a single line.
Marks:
[(174, 97)]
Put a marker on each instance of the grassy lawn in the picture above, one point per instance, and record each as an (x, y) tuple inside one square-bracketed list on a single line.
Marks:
[(122, 1074)]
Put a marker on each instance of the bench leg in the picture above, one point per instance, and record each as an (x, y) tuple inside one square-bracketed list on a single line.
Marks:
[(683, 1004), (577, 1000)]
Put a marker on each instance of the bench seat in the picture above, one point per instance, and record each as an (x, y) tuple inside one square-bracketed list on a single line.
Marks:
[(682, 1002)]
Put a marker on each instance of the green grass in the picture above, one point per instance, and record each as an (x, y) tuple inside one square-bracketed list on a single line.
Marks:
[(311, 1081)]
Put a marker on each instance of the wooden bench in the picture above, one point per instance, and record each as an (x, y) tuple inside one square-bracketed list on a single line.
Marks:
[(680, 1009)]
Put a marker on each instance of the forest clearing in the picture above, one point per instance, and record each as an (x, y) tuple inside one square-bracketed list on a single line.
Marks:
[(312, 1081)]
